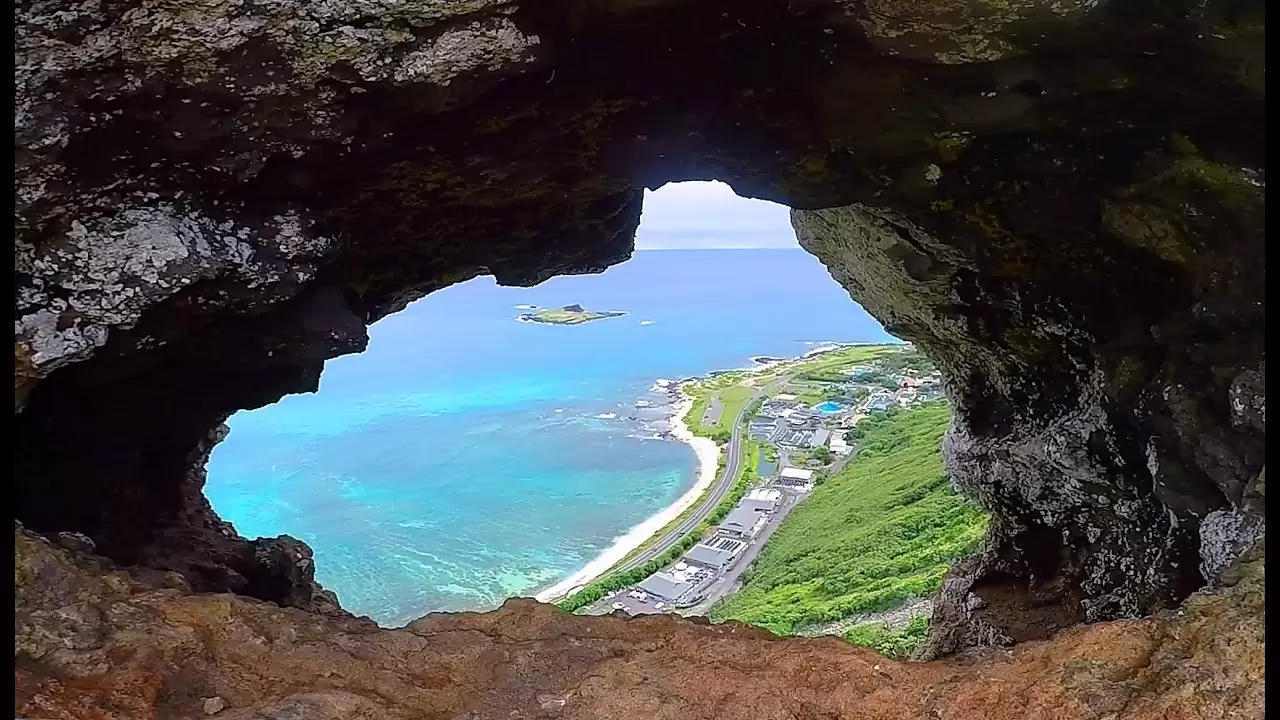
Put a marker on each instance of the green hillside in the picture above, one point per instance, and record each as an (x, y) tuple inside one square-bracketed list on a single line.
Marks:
[(884, 530)]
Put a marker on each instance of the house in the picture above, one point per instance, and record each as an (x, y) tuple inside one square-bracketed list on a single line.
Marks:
[(717, 554), (742, 522), (785, 398)]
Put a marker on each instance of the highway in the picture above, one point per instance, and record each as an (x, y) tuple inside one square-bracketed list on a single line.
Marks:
[(719, 489)]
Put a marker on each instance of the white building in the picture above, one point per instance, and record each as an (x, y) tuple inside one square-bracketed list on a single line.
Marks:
[(796, 478), (784, 397), (838, 445), (762, 499)]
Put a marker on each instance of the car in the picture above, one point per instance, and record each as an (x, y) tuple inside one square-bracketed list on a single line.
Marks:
[(658, 606), (619, 606)]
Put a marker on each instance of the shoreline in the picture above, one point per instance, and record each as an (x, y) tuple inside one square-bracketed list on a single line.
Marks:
[(708, 456)]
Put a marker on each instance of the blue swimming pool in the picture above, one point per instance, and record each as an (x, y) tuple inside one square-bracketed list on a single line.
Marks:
[(830, 406)]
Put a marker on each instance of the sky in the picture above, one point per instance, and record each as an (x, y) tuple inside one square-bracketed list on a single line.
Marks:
[(707, 215)]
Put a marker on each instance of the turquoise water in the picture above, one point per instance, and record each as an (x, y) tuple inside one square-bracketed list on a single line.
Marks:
[(465, 457), (830, 407)]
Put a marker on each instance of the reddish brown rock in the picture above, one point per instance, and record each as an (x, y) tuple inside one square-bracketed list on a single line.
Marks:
[(98, 643)]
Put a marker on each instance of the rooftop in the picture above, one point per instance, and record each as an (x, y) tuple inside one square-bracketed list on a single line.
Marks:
[(665, 585), (792, 473), (764, 495), (716, 553), (741, 520)]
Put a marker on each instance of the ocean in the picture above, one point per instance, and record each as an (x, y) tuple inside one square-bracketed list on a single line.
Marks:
[(466, 457)]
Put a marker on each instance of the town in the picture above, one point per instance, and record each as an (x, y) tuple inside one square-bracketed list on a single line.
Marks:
[(801, 421)]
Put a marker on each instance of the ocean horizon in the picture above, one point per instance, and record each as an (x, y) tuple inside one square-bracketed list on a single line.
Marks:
[(466, 457)]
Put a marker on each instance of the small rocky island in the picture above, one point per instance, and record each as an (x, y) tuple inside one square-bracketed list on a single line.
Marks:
[(567, 315)]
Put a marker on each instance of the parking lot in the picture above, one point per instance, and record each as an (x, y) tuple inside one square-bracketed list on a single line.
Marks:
[(636, 602)]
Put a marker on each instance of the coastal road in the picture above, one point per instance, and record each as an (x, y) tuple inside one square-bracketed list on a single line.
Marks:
[(717, 492)]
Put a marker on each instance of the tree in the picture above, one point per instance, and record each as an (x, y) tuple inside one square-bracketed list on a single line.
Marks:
[(823, 454)]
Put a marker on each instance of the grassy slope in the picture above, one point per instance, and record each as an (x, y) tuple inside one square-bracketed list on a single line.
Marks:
[(883, 530), (731, 401)]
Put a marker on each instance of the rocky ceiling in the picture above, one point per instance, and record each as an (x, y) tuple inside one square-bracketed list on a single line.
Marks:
[(1061, 201)]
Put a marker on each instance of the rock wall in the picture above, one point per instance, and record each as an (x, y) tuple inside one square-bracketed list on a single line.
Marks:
[(1061, 201), (1108, 397), (98, 643)]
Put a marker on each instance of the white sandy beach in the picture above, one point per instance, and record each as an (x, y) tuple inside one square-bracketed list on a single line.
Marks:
[(708, 458)]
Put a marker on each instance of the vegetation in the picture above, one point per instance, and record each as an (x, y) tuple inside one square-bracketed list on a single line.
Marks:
[(910, 358), (847, 357), (568, 315), (883, 530), (732, 399), (811, 395), (897, 644)]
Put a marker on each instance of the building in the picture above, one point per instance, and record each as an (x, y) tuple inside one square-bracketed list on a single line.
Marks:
[(880, 401), (762, 499), (667, 585), (839, 445), (796, 479), (742, 522), (770, 409), (716, 554), (785, 397), (791, 437), (819, 437)]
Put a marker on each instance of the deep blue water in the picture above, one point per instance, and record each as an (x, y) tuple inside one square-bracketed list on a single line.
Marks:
[(460, 459)]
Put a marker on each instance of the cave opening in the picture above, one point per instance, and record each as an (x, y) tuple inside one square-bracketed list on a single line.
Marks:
[(1073, 231), (467, 456)]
